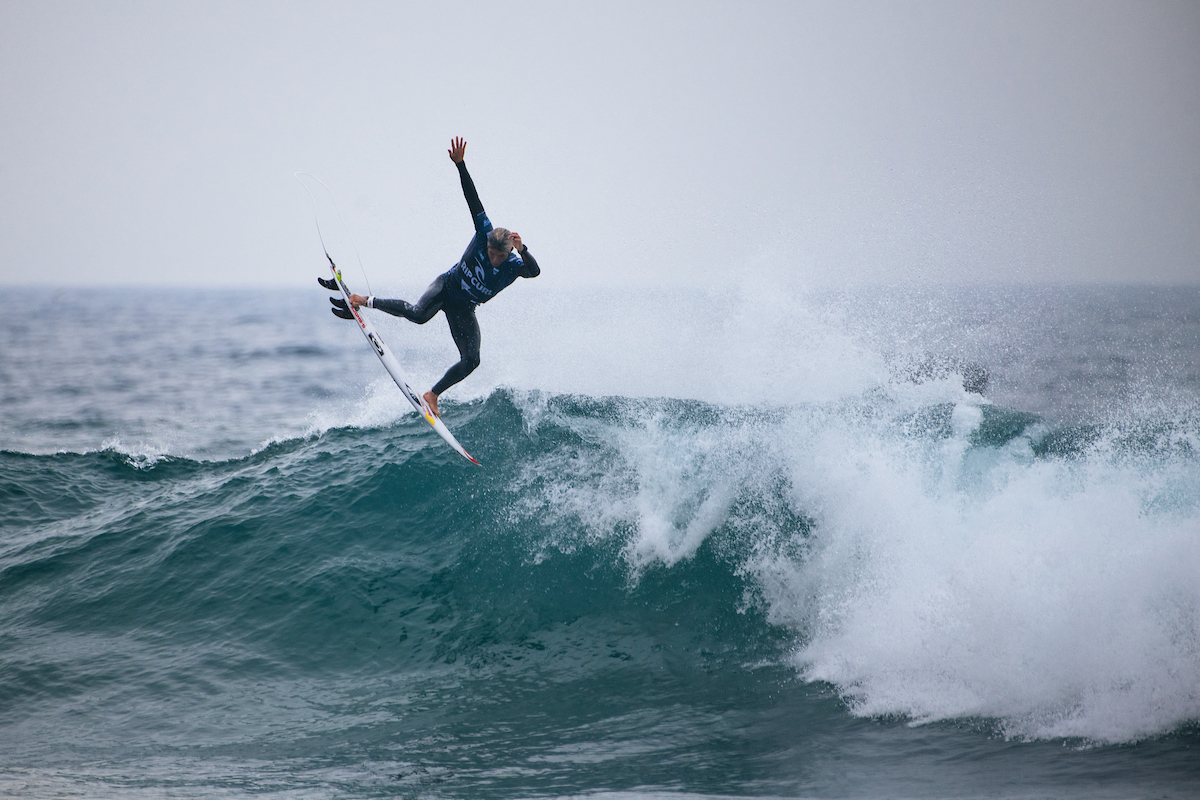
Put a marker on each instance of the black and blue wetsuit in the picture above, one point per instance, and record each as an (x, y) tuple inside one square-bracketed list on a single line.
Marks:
[(473, 280)]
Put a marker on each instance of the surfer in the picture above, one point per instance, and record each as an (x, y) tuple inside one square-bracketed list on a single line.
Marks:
[(494, 259)]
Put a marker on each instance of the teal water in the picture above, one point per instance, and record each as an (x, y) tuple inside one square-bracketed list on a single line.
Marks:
[(906, 590)]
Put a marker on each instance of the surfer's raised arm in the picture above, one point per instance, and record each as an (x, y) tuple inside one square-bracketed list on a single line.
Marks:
[(457, 151)]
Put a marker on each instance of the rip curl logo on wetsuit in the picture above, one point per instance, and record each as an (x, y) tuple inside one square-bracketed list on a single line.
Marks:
[(472, 272), (477, 278)]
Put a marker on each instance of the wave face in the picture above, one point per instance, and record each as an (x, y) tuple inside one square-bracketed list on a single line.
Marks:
[(898, 588)]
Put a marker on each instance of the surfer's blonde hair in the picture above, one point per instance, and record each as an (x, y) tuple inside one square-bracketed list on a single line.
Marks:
[(500, 240)]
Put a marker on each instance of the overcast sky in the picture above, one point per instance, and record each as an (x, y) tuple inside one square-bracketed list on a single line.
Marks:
[(666, 143)]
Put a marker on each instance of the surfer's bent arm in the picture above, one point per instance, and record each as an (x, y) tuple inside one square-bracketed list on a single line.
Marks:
[(529, 268)]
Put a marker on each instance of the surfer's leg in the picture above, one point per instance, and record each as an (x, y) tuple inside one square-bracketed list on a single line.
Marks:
[(464, 328), (424, 309)]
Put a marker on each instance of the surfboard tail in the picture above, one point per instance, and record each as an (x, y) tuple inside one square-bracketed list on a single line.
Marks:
[(445, 433)]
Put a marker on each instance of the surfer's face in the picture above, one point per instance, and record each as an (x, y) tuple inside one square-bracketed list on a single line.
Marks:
[(497, 258)]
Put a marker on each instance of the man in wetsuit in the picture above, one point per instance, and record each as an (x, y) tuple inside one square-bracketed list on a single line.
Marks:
[(494, 259)]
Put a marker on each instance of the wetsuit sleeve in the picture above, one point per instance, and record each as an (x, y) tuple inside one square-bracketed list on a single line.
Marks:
[(529, 266), (468, 187)]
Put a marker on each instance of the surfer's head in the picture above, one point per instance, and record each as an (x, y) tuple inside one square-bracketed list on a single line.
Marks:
[(499, 245)]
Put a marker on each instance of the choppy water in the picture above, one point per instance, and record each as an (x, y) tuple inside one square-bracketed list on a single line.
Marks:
[(720, 545)]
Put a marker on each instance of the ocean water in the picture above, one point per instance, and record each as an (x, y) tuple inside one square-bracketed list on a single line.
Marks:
[(724, 543)]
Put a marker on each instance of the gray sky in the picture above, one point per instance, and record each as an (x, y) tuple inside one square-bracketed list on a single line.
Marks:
[(664, 143)]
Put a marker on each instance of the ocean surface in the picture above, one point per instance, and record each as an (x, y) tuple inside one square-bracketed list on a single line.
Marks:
[(724, 543)]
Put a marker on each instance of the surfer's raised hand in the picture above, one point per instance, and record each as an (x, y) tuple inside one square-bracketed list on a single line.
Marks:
[(357, 300), (458, 149), (516, 241)]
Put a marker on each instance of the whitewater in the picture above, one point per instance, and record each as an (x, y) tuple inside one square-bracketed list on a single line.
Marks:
[(903, 542)]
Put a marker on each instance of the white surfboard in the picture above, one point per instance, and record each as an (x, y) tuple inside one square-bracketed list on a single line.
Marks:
[(393, 367), (377, 344)]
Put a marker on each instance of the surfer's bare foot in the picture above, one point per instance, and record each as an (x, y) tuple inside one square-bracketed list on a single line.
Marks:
[(431, 400)]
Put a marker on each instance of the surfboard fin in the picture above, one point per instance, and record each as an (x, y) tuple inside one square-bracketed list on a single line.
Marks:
[(340, 303), (341, 312), (328, 284)]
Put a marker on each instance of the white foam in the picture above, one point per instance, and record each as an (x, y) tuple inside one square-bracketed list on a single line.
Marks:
[(142, 455), (941, 579), (1046, 594)]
